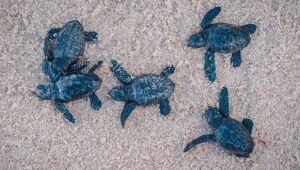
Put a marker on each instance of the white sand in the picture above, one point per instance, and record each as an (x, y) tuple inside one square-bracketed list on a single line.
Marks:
[(146, 37)]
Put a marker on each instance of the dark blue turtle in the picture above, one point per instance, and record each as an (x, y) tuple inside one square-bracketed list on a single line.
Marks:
[(143, 90), (230, 134), (71, 86), (222, 38), (64, 46)]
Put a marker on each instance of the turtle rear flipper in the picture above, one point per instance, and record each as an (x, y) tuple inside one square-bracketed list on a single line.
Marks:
[(250, 28), (168, 71), (95, 67), (77, 67), (244, 156), (209, 16), (164, 107), (236, 59), (91, 37)]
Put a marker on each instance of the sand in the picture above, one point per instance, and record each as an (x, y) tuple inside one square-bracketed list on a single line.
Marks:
[(146, 36)]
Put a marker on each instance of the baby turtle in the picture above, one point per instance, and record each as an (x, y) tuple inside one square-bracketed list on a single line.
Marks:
[(230, 134), (71, 86), (143, 90), (222, 38), (64, 46)]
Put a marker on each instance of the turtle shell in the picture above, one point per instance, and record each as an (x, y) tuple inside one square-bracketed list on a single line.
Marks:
[(226, 38), (149, 89), (233, 136), (76, 86), (68, 46), (70, 41)]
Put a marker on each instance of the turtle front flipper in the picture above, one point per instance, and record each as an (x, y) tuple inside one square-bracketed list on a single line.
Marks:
[(224, 102), (164, 107), (120, 73), (201, 139), (95, 102), (249, 28), (248, 123), (127, 110), (236, 59), (168, 71), (48, 49), (48, 43), (66, 113), (53, 31), (91, 37), (210, 66), (48, 71), (209, 16)]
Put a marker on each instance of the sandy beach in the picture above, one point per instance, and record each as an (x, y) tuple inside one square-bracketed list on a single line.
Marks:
[(147, 36)]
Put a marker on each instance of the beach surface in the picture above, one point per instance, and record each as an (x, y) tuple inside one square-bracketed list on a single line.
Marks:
[(147, 36)]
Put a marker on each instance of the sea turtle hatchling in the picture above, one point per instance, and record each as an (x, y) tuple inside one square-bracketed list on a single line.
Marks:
[(143, 90), (71, 86), (230, 134), (64, 46), (222, 38)]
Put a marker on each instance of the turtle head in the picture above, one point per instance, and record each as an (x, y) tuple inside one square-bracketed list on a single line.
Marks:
[(197, 40), (117, 93), (214, 118), (244, 150), (43, 92)]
